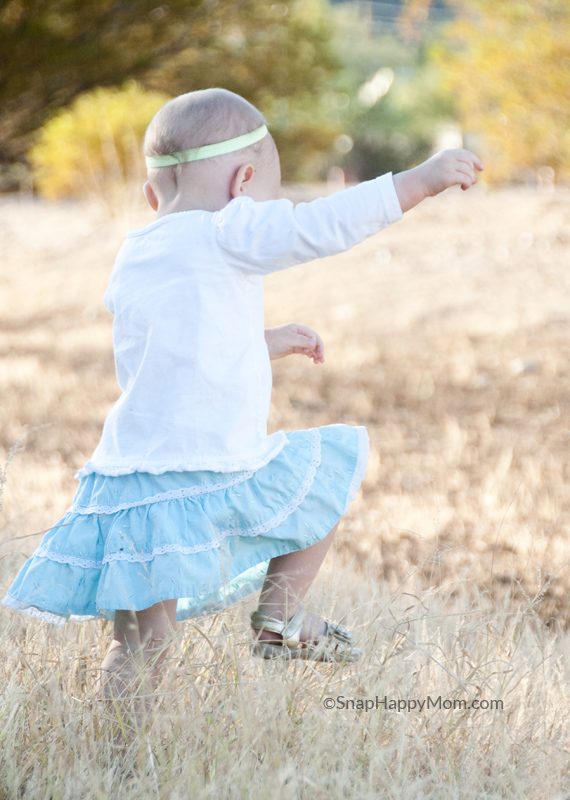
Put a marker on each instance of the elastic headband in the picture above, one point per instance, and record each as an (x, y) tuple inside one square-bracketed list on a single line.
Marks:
[(208, 150)]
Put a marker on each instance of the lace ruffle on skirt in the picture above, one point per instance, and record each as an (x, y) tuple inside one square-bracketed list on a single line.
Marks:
[(204, 538)]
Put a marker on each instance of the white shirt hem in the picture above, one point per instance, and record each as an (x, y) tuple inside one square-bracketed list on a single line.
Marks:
[(219, 464)]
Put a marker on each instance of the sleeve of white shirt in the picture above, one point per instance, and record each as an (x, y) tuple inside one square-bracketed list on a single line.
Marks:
[(262, 237)]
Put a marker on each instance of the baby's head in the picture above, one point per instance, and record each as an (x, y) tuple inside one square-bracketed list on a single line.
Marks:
[(202, 118)]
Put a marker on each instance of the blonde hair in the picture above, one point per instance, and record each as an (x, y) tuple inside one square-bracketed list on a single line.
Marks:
[(198, 118)]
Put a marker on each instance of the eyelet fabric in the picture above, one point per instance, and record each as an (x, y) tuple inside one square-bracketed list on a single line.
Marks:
[(204, 538)]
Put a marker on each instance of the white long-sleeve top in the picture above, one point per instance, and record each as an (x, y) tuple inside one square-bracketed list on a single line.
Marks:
[(187, 298)]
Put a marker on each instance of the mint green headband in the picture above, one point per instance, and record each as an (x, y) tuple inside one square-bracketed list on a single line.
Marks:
[(208, 150)]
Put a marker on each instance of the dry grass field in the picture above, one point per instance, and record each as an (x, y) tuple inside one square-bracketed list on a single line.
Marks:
[(447, 335)]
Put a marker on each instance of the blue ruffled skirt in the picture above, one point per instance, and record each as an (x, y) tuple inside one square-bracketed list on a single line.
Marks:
[(204, 538)]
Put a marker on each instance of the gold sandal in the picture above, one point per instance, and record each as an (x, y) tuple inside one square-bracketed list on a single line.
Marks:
[(337, 644)]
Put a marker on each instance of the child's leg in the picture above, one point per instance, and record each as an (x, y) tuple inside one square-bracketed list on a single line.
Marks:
[(287, 582), (138, 648)]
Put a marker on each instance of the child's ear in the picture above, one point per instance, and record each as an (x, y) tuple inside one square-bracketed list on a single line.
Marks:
[(152, 199), (241, 181)]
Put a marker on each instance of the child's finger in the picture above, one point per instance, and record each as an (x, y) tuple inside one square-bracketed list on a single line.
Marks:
[(466, 178), (477, 163), (303, 341), (307, 342), (315, 353), (310, 353), (302, 330), (320, 349), (473, 161)]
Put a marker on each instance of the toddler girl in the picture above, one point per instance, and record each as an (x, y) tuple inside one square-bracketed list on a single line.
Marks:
[(187, 504)]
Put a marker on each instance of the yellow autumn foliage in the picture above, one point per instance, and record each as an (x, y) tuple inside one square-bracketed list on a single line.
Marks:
[(95, 146), (508, 65)]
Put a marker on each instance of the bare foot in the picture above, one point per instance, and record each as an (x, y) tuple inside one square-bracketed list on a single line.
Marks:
[(124, 692)]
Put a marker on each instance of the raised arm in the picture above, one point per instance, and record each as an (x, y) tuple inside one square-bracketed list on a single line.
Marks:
[(262, 237)]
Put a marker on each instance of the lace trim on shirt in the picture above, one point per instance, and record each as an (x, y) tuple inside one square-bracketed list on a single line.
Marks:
[(252, 461), (265, 527), (173, 494), (32, 611), (360, 468)]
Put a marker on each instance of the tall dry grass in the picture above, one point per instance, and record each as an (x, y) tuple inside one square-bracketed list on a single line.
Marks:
[(447, 336)]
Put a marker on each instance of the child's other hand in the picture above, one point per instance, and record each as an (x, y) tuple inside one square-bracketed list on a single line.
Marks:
[(285, 340), (444, 169)]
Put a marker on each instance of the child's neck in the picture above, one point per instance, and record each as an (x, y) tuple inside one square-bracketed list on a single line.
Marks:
[(210, 200), (200, 188)]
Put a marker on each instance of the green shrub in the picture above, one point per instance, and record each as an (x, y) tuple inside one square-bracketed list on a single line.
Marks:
[(95, 146)]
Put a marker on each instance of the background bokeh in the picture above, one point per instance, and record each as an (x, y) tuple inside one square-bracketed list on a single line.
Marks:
[(364, 87), (447, 335)]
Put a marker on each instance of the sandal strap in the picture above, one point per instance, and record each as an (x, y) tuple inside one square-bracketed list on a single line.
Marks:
[(337, 644), (290, 630), (263, 622), (339, 632)]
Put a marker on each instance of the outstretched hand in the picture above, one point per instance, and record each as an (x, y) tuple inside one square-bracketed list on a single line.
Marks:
[(285, 340), (444, 169), (450, 168)]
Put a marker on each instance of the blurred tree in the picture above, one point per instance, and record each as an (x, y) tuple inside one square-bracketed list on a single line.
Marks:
[(94, 147), (276, 54), (280, 56), (392, 105), (508, 65)]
